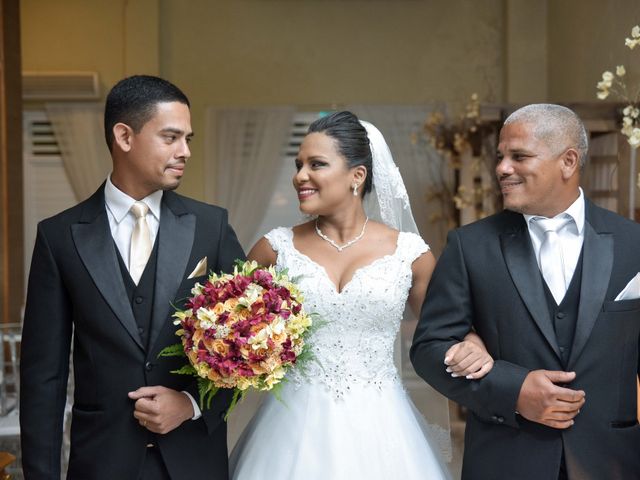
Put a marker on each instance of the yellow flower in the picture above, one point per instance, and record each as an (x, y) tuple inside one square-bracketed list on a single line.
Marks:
[(635, 31), (202, 369), (634, 138), (251, 295), (603, 94), (259, 340), (207, 317), (620, 70), (607, 77), (274, 377), (197, 289), (243, 383)]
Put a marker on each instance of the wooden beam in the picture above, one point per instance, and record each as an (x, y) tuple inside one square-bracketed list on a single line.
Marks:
[(11, 198)]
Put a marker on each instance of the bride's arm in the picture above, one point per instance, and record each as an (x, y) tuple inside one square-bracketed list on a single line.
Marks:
[(263, 253), (469, 358), (421, 270)]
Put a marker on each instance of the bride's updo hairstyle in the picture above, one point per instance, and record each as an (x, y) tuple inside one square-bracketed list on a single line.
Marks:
[(352, 141)]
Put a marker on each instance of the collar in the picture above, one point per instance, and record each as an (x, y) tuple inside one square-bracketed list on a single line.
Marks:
[(119, 203), (575, 211)]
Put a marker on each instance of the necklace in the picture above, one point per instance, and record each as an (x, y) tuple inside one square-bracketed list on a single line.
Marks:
[(334, 244)]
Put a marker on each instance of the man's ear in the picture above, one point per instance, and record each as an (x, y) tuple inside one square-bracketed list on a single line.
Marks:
[(570, 163), (122, 134)]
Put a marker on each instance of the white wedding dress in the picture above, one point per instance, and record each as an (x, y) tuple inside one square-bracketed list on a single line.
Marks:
[(347, 416)]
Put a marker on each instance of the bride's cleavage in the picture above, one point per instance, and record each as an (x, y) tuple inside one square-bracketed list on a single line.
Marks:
[(341, 280)]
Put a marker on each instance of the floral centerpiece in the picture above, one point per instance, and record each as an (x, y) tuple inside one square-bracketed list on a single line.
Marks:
[(241, 330), (615, 83)]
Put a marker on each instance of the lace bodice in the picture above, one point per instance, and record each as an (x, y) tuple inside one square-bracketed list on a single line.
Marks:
[(355, 343)]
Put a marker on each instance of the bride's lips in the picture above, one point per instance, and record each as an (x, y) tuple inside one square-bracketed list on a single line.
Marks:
[(304, 193)]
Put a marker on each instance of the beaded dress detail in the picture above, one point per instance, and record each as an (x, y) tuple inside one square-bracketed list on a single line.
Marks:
[(347, 416)]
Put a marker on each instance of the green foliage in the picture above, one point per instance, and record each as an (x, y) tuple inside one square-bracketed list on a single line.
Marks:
[(175, 350)]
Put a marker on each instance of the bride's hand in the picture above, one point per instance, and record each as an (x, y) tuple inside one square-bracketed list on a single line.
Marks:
[(469, 358)]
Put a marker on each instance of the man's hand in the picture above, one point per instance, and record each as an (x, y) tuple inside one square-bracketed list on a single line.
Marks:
[(160, 409), (542, 400)]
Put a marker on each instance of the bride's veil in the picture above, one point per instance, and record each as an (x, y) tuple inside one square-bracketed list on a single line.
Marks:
[(388, 203)]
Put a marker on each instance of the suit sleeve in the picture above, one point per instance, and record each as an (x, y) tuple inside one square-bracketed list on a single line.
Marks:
[(44, 364), (229, 250), (448, 314)]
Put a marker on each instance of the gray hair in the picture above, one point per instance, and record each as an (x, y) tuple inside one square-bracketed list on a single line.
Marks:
[(556, 125)]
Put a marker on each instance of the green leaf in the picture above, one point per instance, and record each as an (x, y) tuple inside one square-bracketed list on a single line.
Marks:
[(175, 350), (238, 396), (185, 370)]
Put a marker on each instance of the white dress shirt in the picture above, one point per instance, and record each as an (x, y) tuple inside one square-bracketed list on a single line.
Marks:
[(571, 236), (121, 223)]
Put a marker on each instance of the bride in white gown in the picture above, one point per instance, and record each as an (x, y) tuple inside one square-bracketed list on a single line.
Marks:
[(347, 415)]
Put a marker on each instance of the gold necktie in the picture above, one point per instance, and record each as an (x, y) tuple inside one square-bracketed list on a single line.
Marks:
[(140, 241)]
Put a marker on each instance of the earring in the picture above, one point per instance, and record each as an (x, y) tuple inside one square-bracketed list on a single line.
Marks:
[(355, 189)]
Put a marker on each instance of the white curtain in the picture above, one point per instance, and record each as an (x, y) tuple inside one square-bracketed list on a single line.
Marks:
[(243, 157), (417, 162), (78, 128)]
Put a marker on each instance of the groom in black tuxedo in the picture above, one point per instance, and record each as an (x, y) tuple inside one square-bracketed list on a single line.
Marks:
[(105, 273), (543, 283)]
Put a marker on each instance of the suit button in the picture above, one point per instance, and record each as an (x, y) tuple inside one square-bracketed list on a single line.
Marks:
[(139, 300), (560, 315), (148, 366), (500, 420)]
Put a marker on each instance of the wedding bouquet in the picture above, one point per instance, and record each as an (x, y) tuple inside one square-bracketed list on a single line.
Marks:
[(241, 330)]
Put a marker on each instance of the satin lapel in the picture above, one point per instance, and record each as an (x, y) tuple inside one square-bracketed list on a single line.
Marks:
[(597, 262), (521, 262), (95, 246), (176, 234)]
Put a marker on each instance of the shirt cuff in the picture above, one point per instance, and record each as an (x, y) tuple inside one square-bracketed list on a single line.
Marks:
[(196, 409)]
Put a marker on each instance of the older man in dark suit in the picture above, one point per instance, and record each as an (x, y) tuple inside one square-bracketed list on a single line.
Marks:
[(550, 285), (107, 270)]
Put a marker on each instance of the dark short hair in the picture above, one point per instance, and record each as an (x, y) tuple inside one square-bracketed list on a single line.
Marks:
[(351, 139), (133, 101)]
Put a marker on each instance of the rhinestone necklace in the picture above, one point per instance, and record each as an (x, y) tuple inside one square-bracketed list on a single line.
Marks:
[(334, 244)]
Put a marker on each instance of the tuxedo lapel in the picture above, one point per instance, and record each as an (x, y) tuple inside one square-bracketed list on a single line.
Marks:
[(597, 263), (175, 237), (93, 241), (523, 268)]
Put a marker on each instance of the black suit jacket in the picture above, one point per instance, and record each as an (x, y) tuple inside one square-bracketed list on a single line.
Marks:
[(75, 284), (487, 279)]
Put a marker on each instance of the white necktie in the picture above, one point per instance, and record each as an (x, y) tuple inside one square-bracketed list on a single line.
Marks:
[(551, 259), (140, 241)]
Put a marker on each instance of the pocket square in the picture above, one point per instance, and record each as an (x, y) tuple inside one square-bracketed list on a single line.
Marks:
[(201, 268), (632, 290)]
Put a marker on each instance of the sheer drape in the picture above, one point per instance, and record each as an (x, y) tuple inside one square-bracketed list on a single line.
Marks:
[(398, 124), (79, 131), (242, 160)]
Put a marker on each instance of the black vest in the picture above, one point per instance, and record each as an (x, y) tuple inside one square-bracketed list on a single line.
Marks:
[(565, 315), (141, 295)]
